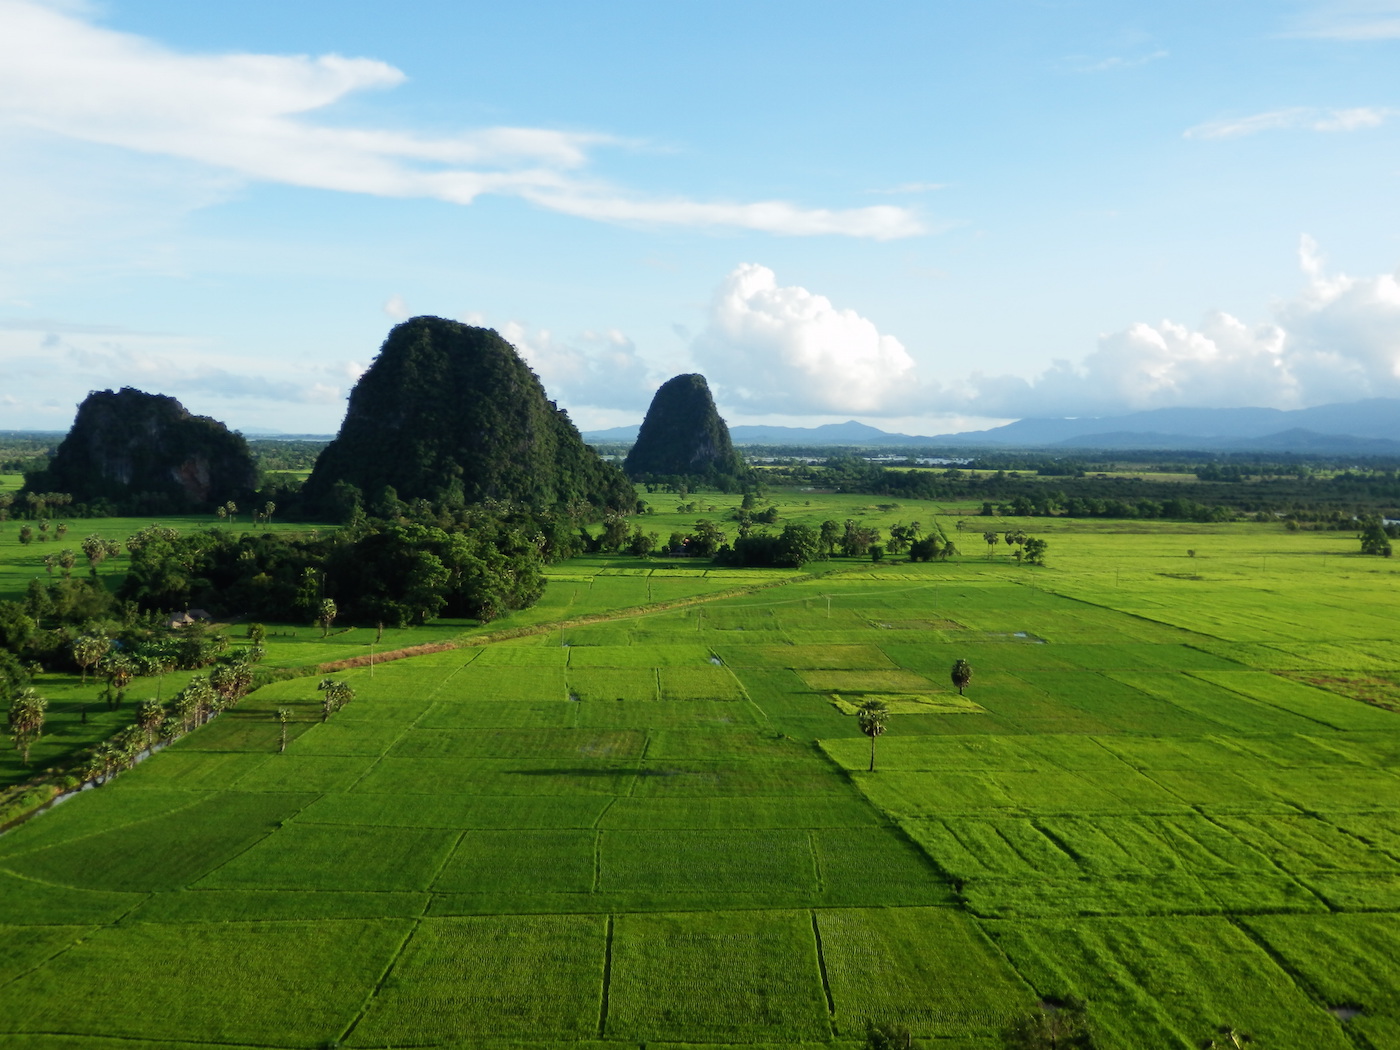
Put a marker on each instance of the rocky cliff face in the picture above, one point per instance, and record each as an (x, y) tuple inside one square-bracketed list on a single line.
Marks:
[(147, 451), (683, 434), (451, 411)]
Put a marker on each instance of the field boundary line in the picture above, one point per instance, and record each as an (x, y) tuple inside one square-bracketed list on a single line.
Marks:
[(607, 981), (821, 966), (384, 976)]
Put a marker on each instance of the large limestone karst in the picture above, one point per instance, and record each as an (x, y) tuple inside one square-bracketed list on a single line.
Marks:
[(148, 453), (448, 410), (683, 434)]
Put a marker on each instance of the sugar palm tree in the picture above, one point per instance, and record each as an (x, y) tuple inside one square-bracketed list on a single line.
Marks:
[(872, 715), (149, 715), (26, 721), (89, 650), (284, 715)]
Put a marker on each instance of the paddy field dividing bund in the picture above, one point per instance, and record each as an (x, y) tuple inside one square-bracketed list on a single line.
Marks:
[(1161, 795)]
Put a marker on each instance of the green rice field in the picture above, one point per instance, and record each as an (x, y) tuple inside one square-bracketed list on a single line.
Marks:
[(1164, 795)]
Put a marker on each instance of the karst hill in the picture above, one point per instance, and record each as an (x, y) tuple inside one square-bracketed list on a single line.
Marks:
[(450, 411), (683, 434), (147, 453)]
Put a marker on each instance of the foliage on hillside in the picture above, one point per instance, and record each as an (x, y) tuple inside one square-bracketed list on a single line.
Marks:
[(450, 413), (146, 453), (684, 436)]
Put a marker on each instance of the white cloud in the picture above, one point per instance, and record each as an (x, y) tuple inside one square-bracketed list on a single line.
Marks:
[(1337, 339), (250, 114), (396, 308), (55, 365), (790, 351), (1115, 62), (1297, 118), (1353, 20), (605, 371)]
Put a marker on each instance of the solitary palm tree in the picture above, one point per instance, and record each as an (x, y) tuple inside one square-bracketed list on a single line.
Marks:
[(872, 715), (962, 674)]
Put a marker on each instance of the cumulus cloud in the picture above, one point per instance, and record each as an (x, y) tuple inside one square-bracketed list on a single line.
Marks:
[(253, 115), (599, 370), (1297, 118), (1337, 339), (396, 308), (790, 351)]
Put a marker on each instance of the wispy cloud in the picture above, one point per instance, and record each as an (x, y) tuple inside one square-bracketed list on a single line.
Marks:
[(1297, 118), (253, 114), (1357, 20), (1113, 63)]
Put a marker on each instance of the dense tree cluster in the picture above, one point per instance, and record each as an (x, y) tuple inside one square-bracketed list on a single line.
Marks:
[(480, 566)]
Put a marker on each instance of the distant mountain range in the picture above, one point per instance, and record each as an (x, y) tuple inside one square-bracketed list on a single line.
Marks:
[(1369, 427)]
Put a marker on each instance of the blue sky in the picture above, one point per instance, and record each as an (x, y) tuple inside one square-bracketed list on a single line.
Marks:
[(927, 216)]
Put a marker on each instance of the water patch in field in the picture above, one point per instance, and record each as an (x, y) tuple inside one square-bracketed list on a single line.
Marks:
[(716, 661), (1345, 1013), (1015, 636)]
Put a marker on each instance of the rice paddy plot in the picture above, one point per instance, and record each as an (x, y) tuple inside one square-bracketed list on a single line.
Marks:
[(1117, 706), (202, 905), (456, 811), (294, 772), (722, 977), (44, 903), (808, 657), (929, 968), (686, 714), (455, 714), (453, 776), (738, 861), (183, 768), (876, 865), (513, 742), (1336, 957), (699, 683), (521, 861), (505, 683), (1167, 981), (1230, 710), (526, 976), (188, 842), (250, 983), (604, 684), (695, 779), (725, 744), (682, 814), (330, 857), (1306, 844), (1322, 707), (644, 656)]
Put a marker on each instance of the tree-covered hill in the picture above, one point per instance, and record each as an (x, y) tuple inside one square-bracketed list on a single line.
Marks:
[(147, 453), (684, 435), (450, 413)]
